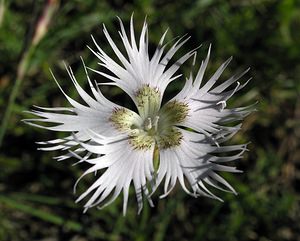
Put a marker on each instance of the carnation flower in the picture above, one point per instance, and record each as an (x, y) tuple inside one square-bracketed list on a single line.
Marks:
[(179, 141)]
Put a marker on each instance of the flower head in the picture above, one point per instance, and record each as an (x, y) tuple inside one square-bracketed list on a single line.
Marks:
[(177, 141)]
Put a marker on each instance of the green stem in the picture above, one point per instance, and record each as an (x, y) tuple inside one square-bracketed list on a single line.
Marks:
[(22, 68), (40, 31), (2, 9), (41, 214)]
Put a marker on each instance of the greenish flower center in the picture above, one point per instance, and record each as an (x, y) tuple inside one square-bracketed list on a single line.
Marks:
[(153, 125)]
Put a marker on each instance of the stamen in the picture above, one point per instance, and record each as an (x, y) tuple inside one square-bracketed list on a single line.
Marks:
[(135, 132), (148, 124), (156, 122), (223, 105)]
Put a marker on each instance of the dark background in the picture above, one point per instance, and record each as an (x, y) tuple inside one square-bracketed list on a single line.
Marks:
[(36, 199)]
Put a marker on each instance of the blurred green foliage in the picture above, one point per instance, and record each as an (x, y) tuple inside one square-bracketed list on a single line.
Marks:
[(36, 200)]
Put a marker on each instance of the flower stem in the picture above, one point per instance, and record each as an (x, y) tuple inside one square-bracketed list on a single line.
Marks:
[(40, 30), (2, 10), (22, 68)]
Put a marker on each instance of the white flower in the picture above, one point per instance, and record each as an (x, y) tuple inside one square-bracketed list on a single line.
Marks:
[(178, 141)]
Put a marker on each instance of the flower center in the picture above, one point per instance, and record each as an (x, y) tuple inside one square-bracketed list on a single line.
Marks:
[(153, 125)]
